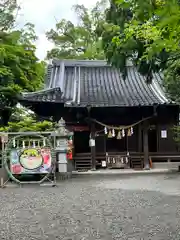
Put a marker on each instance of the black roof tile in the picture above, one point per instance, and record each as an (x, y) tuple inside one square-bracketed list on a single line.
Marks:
[(96, 83)]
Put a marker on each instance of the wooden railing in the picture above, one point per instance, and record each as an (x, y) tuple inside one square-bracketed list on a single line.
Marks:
[(136, 159), (164, 157)]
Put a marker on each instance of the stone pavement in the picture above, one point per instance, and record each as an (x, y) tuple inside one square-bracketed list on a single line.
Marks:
[(131, 207)]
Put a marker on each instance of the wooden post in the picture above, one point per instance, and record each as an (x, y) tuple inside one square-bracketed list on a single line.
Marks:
[(158, 136), (93, 147), (140, 138), (145, 146)]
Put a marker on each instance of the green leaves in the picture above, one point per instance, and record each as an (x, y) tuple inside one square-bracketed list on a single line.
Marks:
[(23, 120), (19, 64), (20, 69), (8, 10), (28, 124), (149, 32)]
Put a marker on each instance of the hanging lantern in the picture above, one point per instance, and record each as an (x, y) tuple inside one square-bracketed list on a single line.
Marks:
[(113, 133), (123, 133), (132, 131), (109, 134), (119, 135), (105, 130)]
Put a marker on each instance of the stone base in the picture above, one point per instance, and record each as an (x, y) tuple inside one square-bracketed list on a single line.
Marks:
[(147, 167), (70, 166), (63, 176), (93, 169)]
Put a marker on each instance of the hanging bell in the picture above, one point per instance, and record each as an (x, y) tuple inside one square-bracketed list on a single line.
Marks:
[(109, 134), (119, 135), (113, 133)]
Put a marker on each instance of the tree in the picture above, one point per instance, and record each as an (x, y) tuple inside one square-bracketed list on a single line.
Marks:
[(23, 121), (8, 11), (20, 69), (147, 32), (81, 41)]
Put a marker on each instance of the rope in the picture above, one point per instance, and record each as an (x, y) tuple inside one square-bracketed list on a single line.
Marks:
[(122, 127)]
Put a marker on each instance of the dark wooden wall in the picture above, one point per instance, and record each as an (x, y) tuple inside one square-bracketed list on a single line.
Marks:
[(163, 117), (166, 144), (167, 119)]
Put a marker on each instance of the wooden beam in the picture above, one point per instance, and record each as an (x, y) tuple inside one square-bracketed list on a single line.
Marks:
[(145, 145)]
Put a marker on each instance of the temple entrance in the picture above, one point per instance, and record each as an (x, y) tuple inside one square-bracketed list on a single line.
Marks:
[(81, 142), (82, 151)]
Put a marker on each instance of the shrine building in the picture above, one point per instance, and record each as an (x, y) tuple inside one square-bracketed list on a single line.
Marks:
[(116, 122)]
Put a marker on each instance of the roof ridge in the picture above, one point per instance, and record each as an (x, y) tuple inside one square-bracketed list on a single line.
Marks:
[(85, 63)]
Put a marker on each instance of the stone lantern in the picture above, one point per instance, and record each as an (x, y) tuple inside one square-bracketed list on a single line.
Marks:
[(61, 136)]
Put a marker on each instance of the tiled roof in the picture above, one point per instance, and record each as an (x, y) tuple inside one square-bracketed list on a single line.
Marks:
[(95, 83), (46, 95)]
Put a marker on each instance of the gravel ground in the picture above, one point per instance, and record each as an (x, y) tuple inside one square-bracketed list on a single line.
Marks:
[(86, 208)]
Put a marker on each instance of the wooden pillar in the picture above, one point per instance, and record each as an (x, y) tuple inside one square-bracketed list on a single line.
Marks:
[(158, 131), (140, 138), (145, 145), (93, 147)]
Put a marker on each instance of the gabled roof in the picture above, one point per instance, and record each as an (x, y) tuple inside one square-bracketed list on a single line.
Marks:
[(95, 83)]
